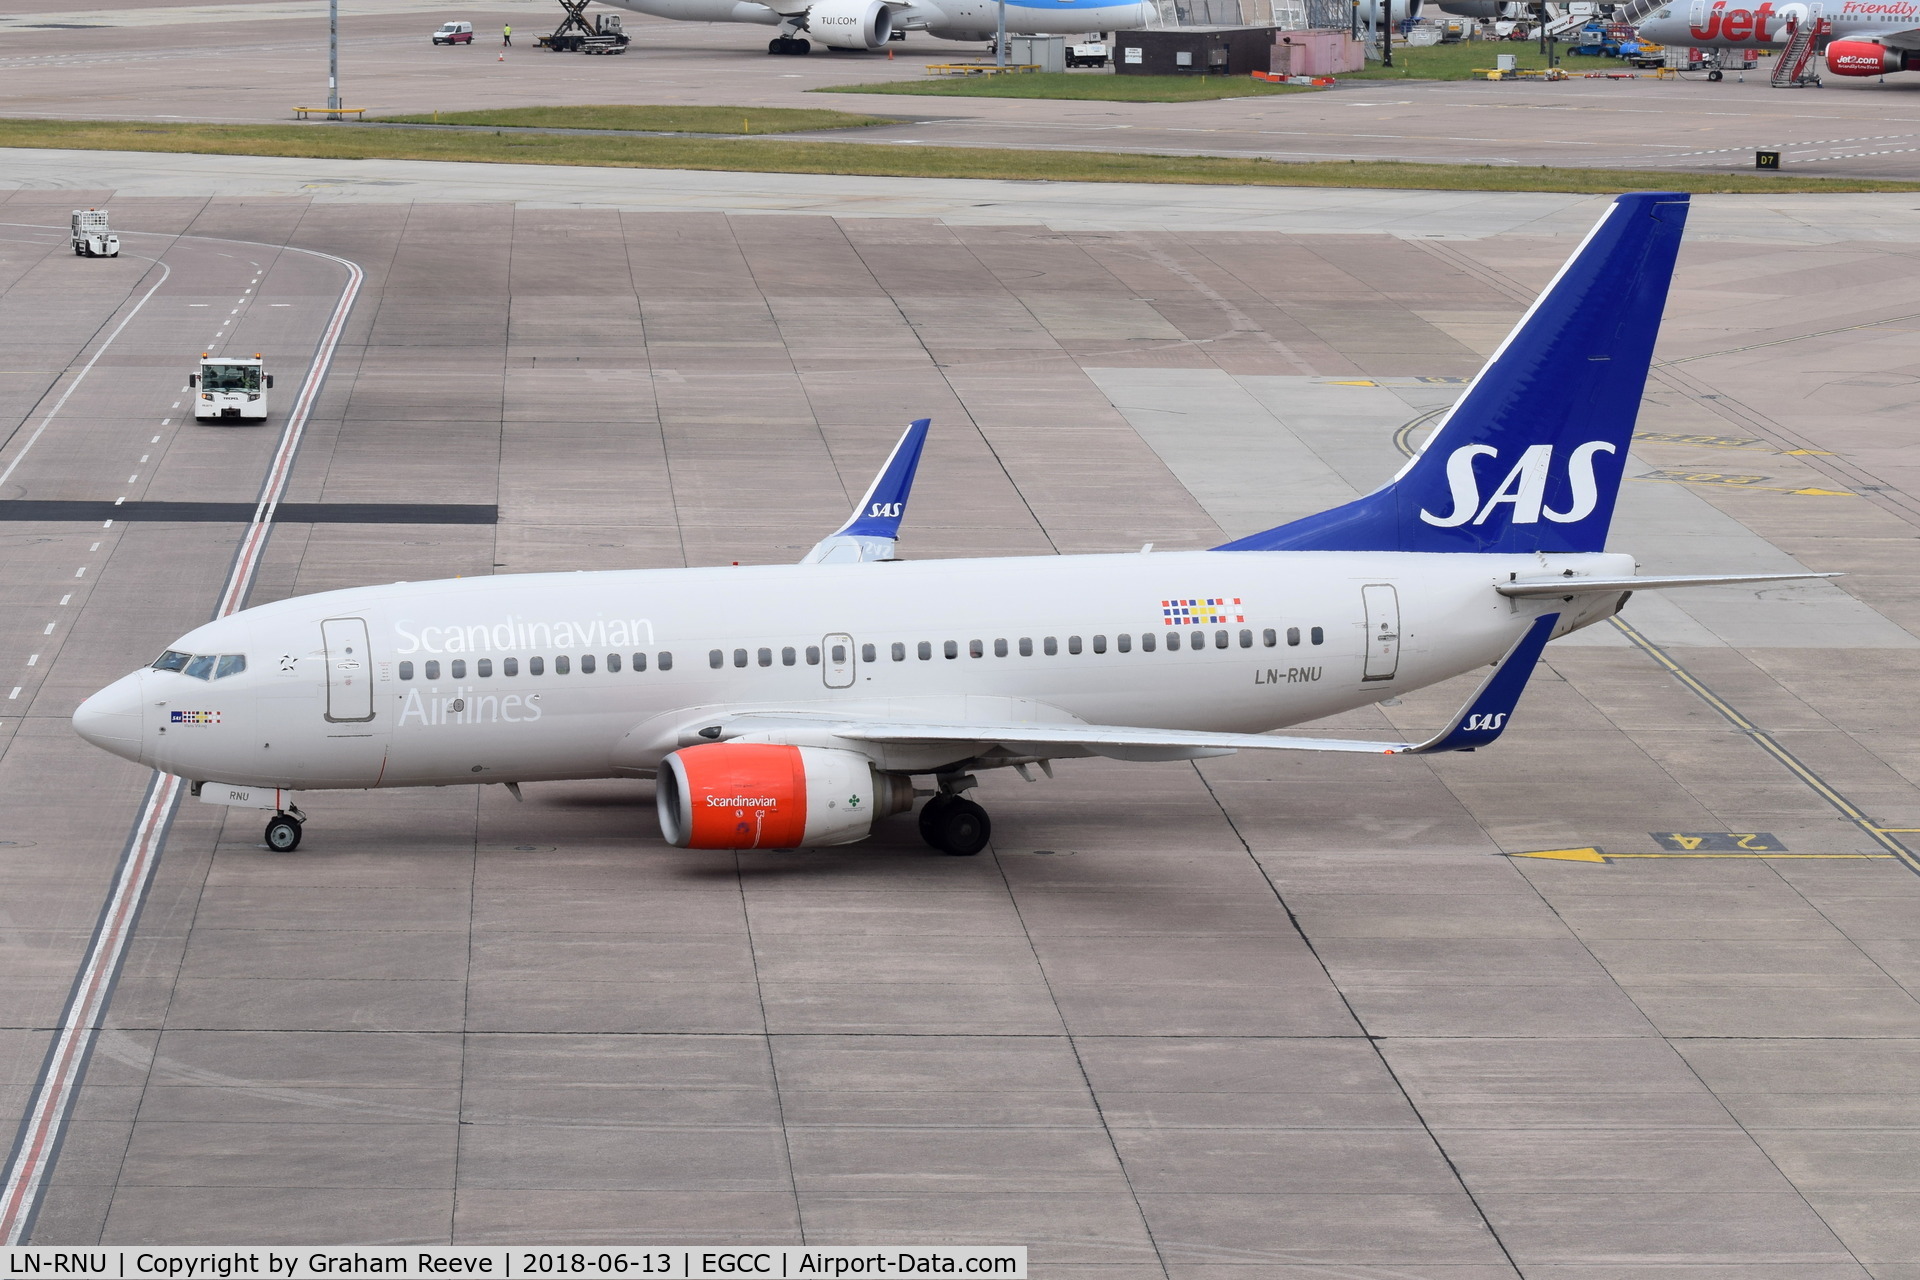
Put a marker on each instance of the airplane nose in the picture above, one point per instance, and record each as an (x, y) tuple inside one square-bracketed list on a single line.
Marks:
[(110, 719)]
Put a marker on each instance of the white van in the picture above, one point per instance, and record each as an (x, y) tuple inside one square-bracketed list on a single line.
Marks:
[(454, 33)]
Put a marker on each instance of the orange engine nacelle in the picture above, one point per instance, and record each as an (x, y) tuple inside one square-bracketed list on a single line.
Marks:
[(1864, 58), (757, 795)]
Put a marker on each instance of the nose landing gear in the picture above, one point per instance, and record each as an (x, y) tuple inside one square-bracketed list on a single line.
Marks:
[(283, 831)]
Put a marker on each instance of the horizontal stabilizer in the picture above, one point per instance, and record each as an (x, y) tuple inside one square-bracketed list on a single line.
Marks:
[(874, 527), (1525, 588)]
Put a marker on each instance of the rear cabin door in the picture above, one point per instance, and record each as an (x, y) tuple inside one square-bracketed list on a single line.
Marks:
[(837, 660), (349, 671), (1383, 631)]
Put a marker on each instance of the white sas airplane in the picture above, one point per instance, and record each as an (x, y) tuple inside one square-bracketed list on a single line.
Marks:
[(781, 706)]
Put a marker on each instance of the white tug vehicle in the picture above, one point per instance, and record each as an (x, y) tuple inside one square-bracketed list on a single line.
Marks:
[(231, 387), (92, 238)]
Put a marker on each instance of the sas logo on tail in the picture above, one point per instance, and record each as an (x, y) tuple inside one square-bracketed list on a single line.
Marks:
[(885, 510), (1524, 489), (1491, 722)]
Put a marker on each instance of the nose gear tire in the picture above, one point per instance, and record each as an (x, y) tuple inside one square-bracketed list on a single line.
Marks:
[(283, 834)]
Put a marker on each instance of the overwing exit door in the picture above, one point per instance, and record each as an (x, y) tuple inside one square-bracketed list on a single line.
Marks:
[(837, 660), (349, 670), (1383, 630)]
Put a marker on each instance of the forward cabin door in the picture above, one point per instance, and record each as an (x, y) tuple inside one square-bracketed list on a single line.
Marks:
[(836, 665), (349, 671), (1383, 630)]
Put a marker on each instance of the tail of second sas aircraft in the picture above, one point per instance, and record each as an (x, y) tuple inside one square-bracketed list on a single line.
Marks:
[(1530, 458)]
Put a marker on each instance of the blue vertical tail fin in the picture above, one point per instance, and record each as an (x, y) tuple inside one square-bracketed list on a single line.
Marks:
[(1530, 458)]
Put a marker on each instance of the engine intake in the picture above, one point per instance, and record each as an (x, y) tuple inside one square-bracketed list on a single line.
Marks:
[(756, 795), (1864, 58), (851, 24)]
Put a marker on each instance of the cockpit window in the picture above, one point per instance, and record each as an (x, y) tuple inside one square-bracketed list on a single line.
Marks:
[(205, 666)]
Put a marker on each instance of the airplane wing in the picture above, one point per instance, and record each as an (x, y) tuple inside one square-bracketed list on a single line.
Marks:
[(1542, 587), (1478, 723), (873, 528)]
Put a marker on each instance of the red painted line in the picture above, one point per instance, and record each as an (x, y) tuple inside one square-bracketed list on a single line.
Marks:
[(37, 1145)]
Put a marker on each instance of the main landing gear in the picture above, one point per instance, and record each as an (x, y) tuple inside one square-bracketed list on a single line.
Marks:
[(789, 45), (283, 831), (953, 824)]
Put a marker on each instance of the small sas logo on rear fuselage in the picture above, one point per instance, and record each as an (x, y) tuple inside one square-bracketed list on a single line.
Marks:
[(195, 717)]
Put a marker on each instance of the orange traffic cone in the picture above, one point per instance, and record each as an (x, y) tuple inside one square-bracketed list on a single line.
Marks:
[(889, 55), (503, 57)]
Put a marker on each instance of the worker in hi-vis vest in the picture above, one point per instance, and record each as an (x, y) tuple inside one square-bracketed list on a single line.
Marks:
[(506, 33)]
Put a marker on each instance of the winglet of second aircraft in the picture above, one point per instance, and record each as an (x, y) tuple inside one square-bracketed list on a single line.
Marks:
[(872, 530)]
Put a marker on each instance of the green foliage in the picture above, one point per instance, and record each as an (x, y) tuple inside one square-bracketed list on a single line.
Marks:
[(755, 155), (1083, 86), (737, 120)]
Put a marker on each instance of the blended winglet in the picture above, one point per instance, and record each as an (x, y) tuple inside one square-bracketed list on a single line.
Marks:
[(1485, 716), (874, 527)]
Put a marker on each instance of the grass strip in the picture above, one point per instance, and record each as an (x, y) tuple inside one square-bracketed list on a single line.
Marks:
[(1461, 61), (349, 142), (733, 120), (1082, 86)]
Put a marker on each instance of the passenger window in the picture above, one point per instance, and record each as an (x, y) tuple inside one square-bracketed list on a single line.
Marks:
[(1073, 644), (1173, 641), (788, 656), (716, 659), (739, 657), (1026, 646), (813, 655), (1317, 635), (1050, 646), (406, 670), (899, 652), (485, 666), (433, 671), (1000, 648), (951, 648), (459, 666), (1246, 639), (1269, 638), (200, 667), (561, 665), (766, 657), (639, 662), (976, 649), (586, 664), (1147, 642), (613, 663), (1220, 639), (839, 655), (666, 660), (867, 653), (509, 666), (925, 650), (535, 667), (1293, 635), (1124, 642), (172, 660), (231, 664), (1099, 644)]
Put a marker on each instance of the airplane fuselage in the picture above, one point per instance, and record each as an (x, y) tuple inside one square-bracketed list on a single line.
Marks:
[(1722, 25), (591, 675)]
